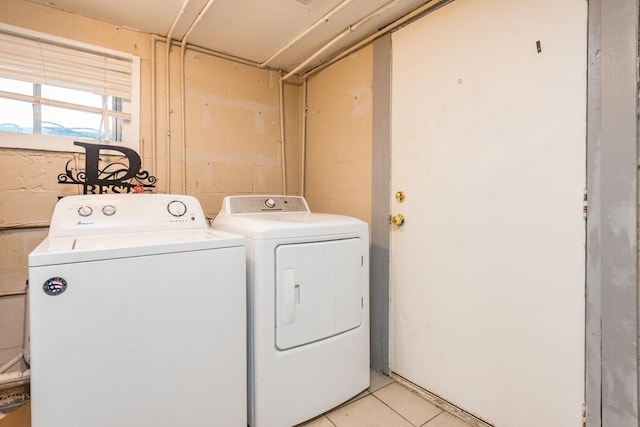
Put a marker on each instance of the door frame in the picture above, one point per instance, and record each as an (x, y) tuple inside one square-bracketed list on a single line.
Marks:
[(612, 186), (380, 205)]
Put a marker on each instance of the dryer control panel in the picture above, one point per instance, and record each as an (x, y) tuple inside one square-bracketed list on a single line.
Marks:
[(266, 203)]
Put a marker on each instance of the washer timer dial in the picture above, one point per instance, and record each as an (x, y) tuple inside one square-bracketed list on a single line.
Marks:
[(85, 211), (270, 203), (177, 208)]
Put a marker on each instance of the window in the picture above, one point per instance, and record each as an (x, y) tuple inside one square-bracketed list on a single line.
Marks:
[(55, 91)]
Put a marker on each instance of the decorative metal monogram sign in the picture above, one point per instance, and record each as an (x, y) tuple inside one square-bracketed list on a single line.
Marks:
[(115, 177)]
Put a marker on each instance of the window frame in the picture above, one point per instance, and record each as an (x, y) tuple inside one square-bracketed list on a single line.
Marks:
[(39, 142)]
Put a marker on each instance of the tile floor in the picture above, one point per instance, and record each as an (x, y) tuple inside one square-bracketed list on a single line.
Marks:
[(386, 403)]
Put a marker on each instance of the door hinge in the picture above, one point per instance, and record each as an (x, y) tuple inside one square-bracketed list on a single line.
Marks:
[(585, 204), (584, 414)]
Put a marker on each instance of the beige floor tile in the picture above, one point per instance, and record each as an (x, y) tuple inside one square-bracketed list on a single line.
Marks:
[(367, 412), (407, 403), (358, 397), (446, 420), (378, 380), (318, 422)]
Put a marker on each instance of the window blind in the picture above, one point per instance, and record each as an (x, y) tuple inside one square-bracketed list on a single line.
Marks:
[(35, 60)]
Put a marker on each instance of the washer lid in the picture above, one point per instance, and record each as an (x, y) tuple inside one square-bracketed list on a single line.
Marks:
[(63, 250), (271, 225)]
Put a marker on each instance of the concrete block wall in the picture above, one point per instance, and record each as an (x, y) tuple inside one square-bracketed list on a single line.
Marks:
[(232, 141), (339, 137), (233, 130), (28, 192)]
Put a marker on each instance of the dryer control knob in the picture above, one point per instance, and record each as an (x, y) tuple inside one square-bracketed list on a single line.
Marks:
[(177, 208), (85, 210), (270, 203)]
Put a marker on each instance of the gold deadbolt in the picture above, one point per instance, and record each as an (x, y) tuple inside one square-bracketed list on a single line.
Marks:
[(397, 220), (400, 196)]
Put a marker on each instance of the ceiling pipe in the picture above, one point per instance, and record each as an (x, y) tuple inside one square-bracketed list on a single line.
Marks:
[(168, 93), (177, 18), (315, 55), (324, 19), (426, 8), (224, 56), (344, 33), (183, 116), (197, 21)]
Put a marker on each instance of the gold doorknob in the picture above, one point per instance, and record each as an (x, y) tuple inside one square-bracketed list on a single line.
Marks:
[(396, 220)]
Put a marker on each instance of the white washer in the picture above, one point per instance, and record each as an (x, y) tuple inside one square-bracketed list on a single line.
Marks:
[(308, 283), (138, 316)]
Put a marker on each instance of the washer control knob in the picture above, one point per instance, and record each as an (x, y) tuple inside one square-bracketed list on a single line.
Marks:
[(177, 208), (85, 211), (108, 210), (270, 203)]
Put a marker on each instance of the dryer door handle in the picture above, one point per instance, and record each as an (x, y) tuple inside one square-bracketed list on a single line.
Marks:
[(289, 297)]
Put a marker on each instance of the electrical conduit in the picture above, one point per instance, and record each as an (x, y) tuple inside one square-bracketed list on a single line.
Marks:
[(168, 93), (283, 152), (344, 33), (325, 18)]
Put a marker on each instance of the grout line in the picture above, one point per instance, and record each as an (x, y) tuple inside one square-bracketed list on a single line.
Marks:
[(417, 394), (384, 386), (434, 417), (354, 399), (399, 414), (441, 403), (319, 417), (332, 423)]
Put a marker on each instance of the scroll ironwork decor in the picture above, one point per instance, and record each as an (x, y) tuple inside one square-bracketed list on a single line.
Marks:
[(115, 177)]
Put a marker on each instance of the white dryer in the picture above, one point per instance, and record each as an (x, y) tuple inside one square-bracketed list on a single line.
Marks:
[(137, 316), (308, 311)]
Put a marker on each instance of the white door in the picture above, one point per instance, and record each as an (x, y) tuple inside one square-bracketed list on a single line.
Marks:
[(488, 145)]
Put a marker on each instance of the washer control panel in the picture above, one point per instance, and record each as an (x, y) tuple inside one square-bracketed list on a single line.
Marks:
[(118, 213), (258, 204)]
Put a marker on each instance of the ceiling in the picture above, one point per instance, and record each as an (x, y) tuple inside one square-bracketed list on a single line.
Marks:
[(265, 32)]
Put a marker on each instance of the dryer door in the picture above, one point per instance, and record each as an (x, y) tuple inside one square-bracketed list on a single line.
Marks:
[(318, 290)]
